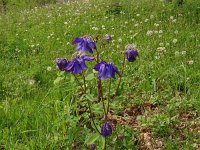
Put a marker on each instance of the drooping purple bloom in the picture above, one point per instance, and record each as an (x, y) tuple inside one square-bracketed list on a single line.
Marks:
[(92, 146), (106, 70), (77, 65), (85, 44), (131, 53), (106, 129), (61, 63)]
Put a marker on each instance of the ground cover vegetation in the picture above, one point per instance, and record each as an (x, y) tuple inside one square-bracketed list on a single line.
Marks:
[(157, 105)]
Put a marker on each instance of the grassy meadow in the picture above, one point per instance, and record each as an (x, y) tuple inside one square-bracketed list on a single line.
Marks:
[(158, 106)]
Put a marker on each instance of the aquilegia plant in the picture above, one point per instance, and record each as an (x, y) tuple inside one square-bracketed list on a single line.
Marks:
[(103, 70)]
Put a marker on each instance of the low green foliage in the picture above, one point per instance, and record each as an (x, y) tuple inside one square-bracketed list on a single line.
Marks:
[(41, 108)]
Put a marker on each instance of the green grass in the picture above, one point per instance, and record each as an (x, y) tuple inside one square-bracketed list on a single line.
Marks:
[(163, 85)]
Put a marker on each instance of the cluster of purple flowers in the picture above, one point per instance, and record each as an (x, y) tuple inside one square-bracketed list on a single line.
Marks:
[(86, 44), (105, 69), (75, 66)]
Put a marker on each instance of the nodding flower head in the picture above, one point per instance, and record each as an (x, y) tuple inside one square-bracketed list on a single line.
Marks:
[(77, 65), (106, 129), (107, 38), (85, 43), (61, 63), (131, 53), (106, 70)]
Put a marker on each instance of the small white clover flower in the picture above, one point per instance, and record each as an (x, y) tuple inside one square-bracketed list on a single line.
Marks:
[(174, 21), (176, 32), (190, 62), (171, 17), (31, 82), (49, 68), (95, 28), (136, 24), (156, 24), (177, 53), (167, 44), (161, 49), (183, 52), (161, 44), (174, 41), (149, 33), (156, 32), (160, 31), (119, 40), (157, 57), (146, 20)]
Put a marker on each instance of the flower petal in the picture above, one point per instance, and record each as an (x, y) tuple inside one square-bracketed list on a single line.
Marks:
[(77, 40)]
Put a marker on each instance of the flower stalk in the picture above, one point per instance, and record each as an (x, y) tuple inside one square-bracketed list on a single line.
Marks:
[(122, 73), (108, 107), (92, 117)]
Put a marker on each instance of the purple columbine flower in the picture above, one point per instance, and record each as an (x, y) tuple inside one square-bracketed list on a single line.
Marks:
[(61, 63), (107, 38), (85, 44), (131, 53), (106, 129), (77, 65), (106, 70)]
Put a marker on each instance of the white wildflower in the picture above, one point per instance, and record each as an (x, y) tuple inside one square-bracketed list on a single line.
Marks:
[(183, 52), (146, 20), (31, 82), (119, 40), (171, 17), (177, 53), (156, 32), (149, 33), (161, 44), (174, 41), (160, 31), (156, 24), (176, 32), (49, 68), (190, 62)]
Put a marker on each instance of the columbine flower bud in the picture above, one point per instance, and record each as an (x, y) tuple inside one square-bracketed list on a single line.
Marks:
[(131, 53), (106, 129)]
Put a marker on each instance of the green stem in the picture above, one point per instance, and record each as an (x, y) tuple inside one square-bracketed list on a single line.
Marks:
[(105, 145), (84, 83), (120, 79), (92, 117), (78, 82), (104, 110), (108, 107)]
